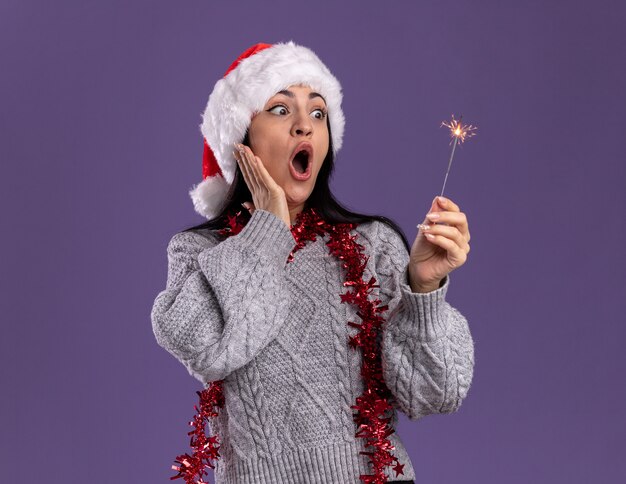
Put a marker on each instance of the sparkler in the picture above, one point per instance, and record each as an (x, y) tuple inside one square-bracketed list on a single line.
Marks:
[(458, 132)]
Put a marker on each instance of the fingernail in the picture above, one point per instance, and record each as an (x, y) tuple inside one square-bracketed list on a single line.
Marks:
[(423, 226), (442, 200), (433, 216)]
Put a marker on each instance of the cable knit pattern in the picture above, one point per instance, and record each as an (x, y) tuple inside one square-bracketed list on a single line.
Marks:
[(338, 317), (224, 302), (233, 424), (258, 412), (428, 351), (277, 334)]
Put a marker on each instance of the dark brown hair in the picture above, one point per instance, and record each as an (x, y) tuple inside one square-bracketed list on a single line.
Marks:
[(321, 198)]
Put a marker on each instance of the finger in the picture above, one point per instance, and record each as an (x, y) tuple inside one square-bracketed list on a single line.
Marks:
[(245, 170), (455, 219), (455, 253), (448, 232), (447, 204), (434, 206), (264, 174), (254, 170), (249, 206), (240, 165), (254, 182)]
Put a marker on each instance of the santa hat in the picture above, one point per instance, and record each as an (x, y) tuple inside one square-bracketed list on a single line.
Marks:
[(255, 76)]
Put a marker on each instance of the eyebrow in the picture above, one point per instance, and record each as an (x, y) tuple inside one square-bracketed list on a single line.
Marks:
[(312, 95)]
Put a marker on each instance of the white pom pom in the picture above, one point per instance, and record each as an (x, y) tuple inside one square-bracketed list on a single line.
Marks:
[(209, 196)]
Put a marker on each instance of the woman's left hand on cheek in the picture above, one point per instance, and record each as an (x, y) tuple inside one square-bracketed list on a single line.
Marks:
[(441, 245)]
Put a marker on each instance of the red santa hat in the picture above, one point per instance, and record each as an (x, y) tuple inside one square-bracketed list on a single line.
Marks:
[(255, 76)]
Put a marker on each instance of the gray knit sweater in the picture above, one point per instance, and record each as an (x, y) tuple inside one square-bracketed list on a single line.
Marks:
[(277, 334)]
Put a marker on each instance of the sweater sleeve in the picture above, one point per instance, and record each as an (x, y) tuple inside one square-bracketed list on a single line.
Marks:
[(427, 348), (224, 301)]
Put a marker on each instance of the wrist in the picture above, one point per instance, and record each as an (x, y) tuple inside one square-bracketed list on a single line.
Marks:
[(423, 289)]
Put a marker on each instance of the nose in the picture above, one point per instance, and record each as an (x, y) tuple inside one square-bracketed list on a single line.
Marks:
[(302, 124)]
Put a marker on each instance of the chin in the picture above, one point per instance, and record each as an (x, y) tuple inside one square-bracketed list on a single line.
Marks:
[(298, 195)]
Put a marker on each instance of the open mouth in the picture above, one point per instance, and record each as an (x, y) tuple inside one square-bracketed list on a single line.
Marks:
[(301, 161)]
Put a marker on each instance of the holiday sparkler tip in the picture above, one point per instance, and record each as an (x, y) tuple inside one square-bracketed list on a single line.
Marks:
[(458, 132)]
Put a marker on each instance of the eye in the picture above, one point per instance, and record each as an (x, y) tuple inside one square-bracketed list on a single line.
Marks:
[(278, 106), (322, 113)]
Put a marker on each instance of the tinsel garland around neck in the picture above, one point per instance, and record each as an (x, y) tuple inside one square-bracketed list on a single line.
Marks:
[(370, 408)]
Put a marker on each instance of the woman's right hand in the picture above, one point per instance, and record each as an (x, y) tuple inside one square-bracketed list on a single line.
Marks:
[(266, 193)]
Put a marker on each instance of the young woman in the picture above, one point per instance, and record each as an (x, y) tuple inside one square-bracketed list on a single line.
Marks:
[(309, 325)]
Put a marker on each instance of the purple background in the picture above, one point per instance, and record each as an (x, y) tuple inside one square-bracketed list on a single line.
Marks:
[(100, 143)]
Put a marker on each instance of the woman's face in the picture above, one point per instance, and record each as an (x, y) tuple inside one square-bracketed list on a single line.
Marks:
[(291, 121)]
